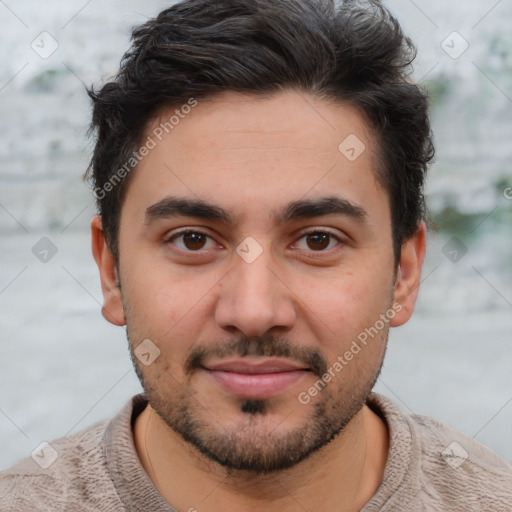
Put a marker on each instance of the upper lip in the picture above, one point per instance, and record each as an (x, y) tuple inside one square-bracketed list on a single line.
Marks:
[(270, 365)]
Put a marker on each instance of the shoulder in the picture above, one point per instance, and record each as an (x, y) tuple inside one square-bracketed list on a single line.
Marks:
[(443, 468), (457, 447), (69, 473), (458, 466), (49, 477)]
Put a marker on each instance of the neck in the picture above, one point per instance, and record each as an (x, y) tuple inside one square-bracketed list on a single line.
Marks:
[(343, 475)]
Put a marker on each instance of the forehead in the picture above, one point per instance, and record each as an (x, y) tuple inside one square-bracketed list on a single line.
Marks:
[(257, 122), (254, 154)]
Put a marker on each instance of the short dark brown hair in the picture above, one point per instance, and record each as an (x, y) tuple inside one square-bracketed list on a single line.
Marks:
[(351, 51)]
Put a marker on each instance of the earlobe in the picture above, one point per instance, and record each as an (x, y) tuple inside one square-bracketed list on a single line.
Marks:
[(112, 309), (409, 275)]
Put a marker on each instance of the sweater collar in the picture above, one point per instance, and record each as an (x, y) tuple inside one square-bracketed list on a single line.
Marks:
[(138, 492)]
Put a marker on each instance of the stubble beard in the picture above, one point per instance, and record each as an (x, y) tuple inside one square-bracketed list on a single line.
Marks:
[(253, 445)]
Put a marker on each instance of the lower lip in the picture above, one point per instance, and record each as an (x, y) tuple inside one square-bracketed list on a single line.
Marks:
[(261, 385)]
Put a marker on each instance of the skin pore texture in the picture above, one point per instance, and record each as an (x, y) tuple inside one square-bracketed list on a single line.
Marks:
[(313, 281)]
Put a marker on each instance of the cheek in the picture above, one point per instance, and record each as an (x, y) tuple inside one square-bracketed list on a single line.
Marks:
[(349, 301), (158, 296), (351, 331), (169, 310)]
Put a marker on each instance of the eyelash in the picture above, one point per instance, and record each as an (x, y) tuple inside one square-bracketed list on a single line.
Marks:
[(175, 236)]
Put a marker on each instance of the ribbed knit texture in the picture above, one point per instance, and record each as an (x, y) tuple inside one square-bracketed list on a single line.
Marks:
[(98, 470)]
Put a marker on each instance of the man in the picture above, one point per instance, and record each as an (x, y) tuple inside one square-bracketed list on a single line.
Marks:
[(259, 169)]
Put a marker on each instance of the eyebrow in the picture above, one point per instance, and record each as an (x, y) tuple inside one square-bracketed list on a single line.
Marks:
[(170, 207)]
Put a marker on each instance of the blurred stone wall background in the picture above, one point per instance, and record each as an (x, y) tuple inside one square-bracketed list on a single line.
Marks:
[(63, 366)]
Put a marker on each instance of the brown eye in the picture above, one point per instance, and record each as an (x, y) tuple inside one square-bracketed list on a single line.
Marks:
[(318, 241), (190, 241), (194, 241)]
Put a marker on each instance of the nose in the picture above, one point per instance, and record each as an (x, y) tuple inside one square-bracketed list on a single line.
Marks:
[(254, 298)]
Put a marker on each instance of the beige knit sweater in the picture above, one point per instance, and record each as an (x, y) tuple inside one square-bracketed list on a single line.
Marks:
[(430, 467)]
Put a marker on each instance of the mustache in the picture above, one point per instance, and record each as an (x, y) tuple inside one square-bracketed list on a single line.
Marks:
[(268, 346)]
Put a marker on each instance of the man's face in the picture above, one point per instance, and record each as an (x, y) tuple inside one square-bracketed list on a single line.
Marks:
[(247, 315)]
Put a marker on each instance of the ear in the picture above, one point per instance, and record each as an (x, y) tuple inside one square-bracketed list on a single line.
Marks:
[(408, 277), (112, 309)]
